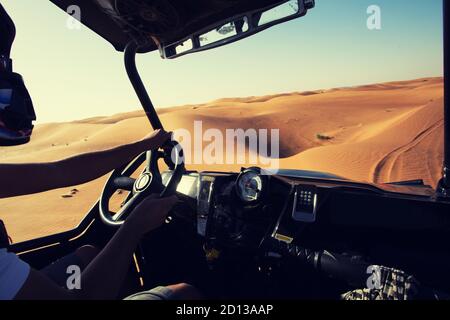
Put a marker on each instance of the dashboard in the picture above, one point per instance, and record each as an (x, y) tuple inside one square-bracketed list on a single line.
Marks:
[(236, 212), (240, 209)]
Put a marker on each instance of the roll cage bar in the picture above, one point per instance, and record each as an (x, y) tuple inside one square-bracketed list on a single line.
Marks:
[(444, 184), (443, 188), (135, 79)]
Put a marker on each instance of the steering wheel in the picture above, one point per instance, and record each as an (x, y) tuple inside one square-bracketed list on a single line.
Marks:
[(149, 182)]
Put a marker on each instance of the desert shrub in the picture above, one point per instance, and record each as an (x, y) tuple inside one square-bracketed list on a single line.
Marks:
[(321, 136)]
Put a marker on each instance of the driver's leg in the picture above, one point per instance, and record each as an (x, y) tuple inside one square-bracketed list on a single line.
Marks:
[(86, 254), (184, 291), (181, 291), (57, 271)]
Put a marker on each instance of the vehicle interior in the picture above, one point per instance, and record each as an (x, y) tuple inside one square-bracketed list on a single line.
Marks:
[(249, 234)]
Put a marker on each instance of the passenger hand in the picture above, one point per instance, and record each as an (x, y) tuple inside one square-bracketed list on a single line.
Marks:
[(150, 214)]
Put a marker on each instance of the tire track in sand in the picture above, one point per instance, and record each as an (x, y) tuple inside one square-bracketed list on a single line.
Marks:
[(385, 166)]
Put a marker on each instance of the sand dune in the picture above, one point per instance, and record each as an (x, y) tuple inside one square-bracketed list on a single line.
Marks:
[(378, 133)]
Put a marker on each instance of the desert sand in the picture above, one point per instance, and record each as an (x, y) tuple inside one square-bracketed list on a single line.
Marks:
[(377, 133)]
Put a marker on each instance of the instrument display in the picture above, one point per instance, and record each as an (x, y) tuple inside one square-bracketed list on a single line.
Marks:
[(250, 186)]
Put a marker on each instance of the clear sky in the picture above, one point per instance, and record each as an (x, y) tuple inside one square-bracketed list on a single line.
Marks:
[(73, 74)]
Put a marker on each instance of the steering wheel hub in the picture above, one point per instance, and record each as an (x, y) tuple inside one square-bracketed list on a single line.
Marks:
[(143, 182)]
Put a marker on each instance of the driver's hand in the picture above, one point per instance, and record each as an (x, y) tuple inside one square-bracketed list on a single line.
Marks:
[(156, 139), (7, 33), (150, 214)]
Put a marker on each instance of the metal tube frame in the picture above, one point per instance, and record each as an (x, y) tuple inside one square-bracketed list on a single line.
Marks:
[(138, 85), (444, 184)]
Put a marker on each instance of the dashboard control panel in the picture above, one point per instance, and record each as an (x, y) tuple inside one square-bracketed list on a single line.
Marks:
[(204, 200), (238, 210)]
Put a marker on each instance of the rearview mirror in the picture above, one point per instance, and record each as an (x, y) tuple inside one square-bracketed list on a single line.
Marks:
[(282, 11), (237, 28)]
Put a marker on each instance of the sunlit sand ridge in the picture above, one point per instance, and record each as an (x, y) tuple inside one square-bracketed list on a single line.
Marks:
[(378, 133)]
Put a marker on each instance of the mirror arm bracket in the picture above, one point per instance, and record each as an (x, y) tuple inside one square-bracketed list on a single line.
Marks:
[(135, 79)]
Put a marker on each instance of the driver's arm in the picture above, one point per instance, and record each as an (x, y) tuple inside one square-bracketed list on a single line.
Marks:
[(21, 179), (104, 276)]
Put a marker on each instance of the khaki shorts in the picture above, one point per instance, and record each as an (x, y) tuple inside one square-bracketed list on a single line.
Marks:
[(156, 294)]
